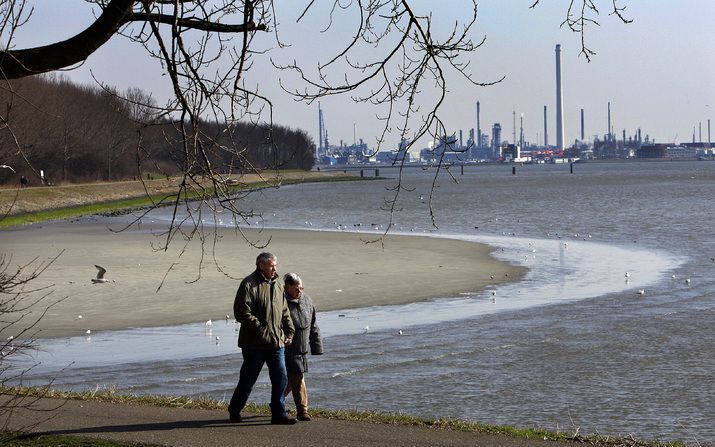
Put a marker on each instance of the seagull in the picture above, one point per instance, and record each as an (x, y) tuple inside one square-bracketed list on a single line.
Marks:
[(628, 275), (209, 323), (687, 281), (88, 332), (641, 292), (100, 275), (365, 329), (399, 332)]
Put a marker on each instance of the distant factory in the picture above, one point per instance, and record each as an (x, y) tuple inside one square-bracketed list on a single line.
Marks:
[(491, 147)]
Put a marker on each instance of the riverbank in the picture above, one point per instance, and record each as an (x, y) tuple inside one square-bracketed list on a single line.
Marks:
[(38, 204)]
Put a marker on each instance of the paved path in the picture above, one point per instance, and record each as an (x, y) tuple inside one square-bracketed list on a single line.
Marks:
[(182, 427)]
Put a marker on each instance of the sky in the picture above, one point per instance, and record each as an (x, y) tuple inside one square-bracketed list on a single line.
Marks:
[(658, 72)]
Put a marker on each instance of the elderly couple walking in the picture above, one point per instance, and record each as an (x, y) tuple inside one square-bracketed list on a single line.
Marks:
[(278, 328)]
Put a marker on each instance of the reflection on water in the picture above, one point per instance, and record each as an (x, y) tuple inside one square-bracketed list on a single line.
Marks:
[(600, 357)]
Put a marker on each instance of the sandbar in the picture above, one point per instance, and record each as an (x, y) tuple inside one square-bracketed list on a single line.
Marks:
[(197, 280)]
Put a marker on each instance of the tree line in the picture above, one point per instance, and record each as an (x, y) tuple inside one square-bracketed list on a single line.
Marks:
[(68, 132)]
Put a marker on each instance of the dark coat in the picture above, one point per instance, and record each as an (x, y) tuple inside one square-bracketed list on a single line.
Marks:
[(262, 310), (306, 337)]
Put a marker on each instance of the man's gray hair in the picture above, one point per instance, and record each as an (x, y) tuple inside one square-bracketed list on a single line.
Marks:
[(292, 279), (265, 257)]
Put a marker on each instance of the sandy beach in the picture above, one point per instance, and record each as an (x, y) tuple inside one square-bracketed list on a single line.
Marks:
[(190, 283)]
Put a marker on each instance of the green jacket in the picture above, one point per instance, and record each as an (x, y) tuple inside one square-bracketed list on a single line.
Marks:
[(263, 312)]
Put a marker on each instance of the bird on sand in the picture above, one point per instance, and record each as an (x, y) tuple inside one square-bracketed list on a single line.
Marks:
[(100, 275), (641, 292)]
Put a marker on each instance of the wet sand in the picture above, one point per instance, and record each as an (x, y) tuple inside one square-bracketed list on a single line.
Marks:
[(190, 283)]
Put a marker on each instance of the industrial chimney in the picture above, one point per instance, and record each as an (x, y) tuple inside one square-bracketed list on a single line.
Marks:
[(479, 128), (546, 131), (559, 102)]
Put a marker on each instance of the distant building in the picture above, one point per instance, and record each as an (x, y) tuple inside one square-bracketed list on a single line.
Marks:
[(395, 156), (670, 151), (328, 160), (496, 139), (682, 152), (511, 152), (652, 151)]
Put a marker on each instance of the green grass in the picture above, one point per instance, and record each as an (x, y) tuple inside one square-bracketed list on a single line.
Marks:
[(144, 201), (205, 403), (38, 440), (79, 211)]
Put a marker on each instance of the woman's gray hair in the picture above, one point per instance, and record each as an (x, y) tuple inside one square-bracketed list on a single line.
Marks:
[(292, 279)]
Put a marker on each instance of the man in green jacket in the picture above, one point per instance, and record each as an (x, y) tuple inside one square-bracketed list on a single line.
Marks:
[(266, 328)]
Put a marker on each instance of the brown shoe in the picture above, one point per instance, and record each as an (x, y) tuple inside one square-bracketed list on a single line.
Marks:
[(303, 417)]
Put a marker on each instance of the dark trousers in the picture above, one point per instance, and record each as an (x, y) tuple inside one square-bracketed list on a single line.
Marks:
[(253, 360)]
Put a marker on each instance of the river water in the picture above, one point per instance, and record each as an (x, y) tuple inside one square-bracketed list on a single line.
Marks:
[(572, 346)]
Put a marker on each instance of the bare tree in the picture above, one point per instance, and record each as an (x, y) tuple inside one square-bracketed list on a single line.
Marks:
[(207, 49), (18, 296), (584, 13)]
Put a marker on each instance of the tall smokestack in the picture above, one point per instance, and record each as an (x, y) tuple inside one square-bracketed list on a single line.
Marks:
[(610, 134), (582, 129), (559, 102), (546, 132), (321, 131), (479, 128)]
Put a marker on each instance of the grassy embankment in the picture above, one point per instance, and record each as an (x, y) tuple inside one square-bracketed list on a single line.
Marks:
[(39, 204), (205, 403)]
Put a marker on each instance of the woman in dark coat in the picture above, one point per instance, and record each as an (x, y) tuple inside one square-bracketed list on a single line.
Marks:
[(306, 338)]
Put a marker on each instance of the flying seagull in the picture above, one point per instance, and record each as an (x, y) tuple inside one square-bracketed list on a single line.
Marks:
[(100, 275)]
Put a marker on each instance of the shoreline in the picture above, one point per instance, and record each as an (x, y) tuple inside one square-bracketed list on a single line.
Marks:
[(339, 269), (22, 206)]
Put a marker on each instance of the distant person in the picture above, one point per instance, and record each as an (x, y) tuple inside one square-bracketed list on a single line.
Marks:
[(266, 329), (24, 182), (307, 337)]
